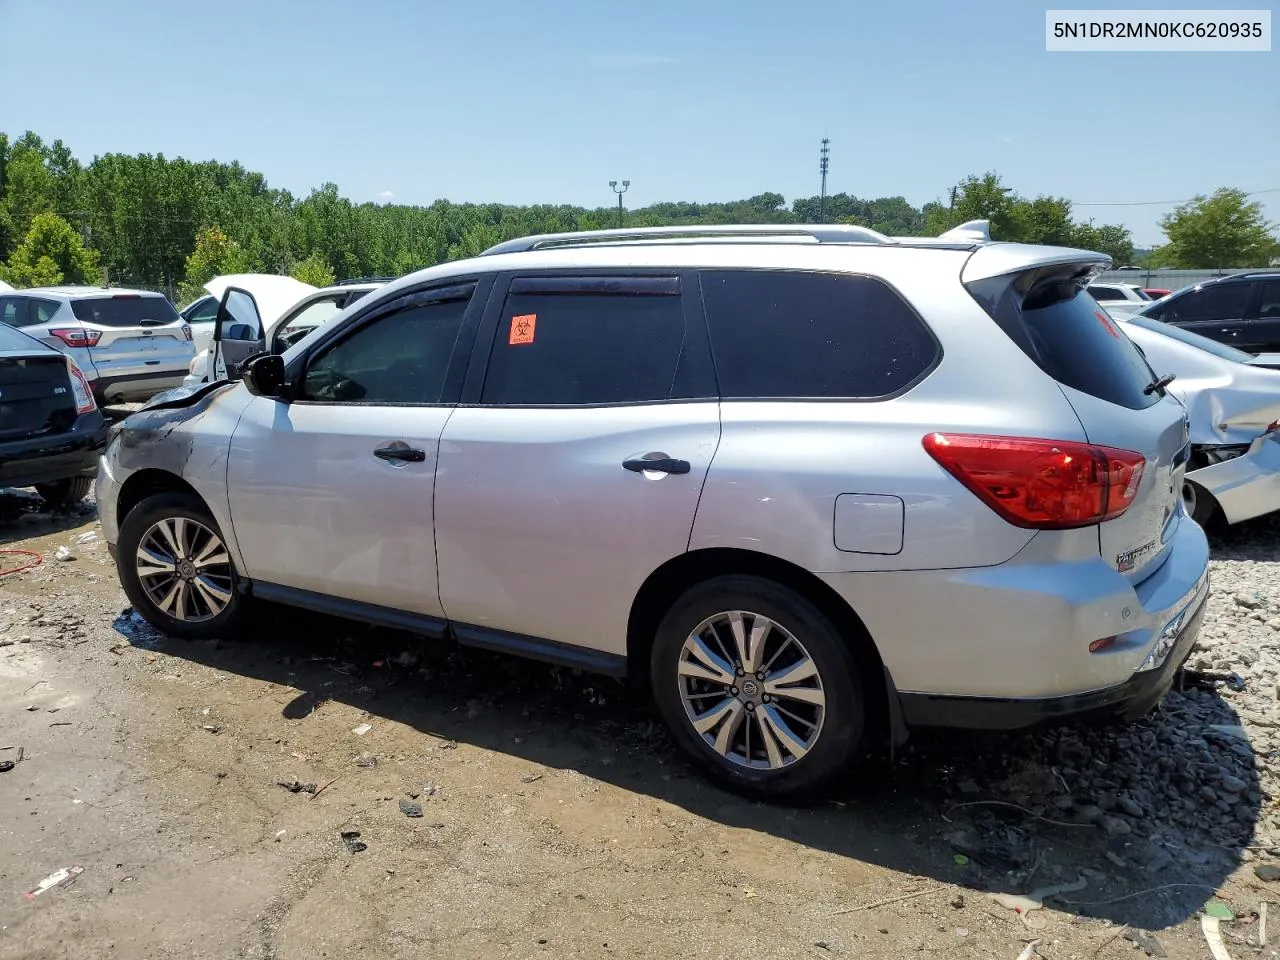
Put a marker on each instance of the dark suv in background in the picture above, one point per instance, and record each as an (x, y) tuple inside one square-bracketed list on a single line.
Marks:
[(1242, 311), (51, 431)]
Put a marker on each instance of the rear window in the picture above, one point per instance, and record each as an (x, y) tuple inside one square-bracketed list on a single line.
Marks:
[(125, 311), (1076, 343)]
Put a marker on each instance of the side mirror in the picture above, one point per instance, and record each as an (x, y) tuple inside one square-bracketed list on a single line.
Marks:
[(241, 331), (263, 376)]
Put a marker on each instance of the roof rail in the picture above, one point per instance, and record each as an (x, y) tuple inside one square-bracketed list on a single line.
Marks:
[(822, 233), (343, 283)]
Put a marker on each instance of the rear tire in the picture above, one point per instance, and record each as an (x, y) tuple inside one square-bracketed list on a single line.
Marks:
[(1200, 503), (65, 493), (782, 724), (175, 568)]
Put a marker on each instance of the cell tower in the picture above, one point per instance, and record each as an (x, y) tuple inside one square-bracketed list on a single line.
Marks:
[(824, 163)]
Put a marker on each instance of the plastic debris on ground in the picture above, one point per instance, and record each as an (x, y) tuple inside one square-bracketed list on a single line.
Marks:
[(64, 876), (63, 554), (1219, 910), (352, 839), (1024, 905), (361, 730), (1212, 929)]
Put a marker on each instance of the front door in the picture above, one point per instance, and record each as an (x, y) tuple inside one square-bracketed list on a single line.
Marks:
[(574, 470), (332, 493), (237, 334), (1216, 311)]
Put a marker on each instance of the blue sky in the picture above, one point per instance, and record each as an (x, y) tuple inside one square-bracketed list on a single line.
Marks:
[(706, 100)]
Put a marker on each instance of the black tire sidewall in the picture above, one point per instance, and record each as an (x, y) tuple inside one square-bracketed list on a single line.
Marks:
[(139, 520), (845, 717), (65, 493)]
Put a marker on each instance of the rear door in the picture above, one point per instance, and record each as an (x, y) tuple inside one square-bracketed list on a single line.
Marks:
[(1216, 311), (547, 522), (1108, 384)]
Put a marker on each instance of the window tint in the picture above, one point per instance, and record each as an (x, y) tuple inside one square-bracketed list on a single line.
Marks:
[(1218, 301), (125, 310), (42, 311), (1081, 347), (812, 335), (1269, 304), (205, 312), (13, 311), (576, 341), (402, 357), (1105, 293)]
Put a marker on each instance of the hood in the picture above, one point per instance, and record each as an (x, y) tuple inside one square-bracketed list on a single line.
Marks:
[(273, 293), (4, 286), (1228, 402)]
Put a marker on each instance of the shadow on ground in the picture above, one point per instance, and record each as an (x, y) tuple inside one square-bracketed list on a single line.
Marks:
[(1127, 810), (23, 515)]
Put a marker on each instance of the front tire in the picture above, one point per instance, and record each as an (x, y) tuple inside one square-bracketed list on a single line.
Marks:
[(758, 687), (175, 567), (65, 493)]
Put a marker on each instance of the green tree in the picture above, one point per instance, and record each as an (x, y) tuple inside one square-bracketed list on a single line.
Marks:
[(52, 252), (1222, 230), (313, 270), (1115, 241), (215, 254)]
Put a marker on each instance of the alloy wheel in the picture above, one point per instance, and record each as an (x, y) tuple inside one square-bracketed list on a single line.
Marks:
[(185, 569), (751, 690)]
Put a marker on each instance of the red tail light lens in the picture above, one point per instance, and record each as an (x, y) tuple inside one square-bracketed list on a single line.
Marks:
[(1041, 484), (77, 336), (80, 389)]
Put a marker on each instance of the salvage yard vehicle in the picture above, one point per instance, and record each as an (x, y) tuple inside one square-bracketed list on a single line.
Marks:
[(1234, 405), (766, 471), (129, 344), (1241, 310), (51, 431), (257, 300)]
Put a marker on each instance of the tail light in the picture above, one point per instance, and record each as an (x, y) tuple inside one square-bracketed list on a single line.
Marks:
[(76, 336), (80, 389), (186, 331), (1041, 484)]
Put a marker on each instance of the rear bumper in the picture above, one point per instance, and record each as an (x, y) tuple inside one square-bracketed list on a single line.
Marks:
[(1127, 701), (133, 387), (47, 459), (1247, 486)]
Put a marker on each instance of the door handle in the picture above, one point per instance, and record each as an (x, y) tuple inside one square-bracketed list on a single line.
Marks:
[(399, 450), (658, 462)]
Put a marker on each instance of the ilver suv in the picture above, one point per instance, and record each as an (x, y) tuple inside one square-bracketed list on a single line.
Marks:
[(813, 485)]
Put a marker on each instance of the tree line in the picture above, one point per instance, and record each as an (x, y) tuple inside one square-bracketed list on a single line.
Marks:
[(171, 224)]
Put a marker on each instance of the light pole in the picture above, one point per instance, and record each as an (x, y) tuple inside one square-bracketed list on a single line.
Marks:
[(613, 185)]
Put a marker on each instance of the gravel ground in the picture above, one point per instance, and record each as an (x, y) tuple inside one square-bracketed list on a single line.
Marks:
[(556, 817)]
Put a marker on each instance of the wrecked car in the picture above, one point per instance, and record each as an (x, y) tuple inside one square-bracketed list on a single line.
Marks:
[(1234, 407)]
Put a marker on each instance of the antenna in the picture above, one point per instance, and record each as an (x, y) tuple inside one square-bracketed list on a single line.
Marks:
[(824, 163)]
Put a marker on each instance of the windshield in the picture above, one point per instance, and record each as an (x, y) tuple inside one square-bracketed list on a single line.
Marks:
[(125, 310), (1191, 339)]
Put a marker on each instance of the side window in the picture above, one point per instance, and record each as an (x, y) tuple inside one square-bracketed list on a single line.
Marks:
[(794, 334), (1269, 303), (588, 340), (1220, 301), (13, 311), (240, 320), (206, 312), (1105, 293), (401, 357), (43, 310)]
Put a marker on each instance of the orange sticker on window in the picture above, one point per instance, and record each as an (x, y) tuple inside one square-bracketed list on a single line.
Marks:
[(522, 328), (1106, 322)]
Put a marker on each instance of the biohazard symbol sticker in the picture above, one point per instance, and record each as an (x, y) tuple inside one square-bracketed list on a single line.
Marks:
[(522, 328)]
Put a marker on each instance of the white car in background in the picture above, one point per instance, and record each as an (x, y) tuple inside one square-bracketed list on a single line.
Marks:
[(200, 315), (1234, 408), (249, 302), (1119, 299), (4, 286)]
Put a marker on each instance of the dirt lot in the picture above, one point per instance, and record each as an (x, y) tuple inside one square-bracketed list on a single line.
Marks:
[(556, 819)]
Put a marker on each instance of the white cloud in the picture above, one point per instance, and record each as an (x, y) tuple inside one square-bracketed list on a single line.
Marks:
[(385, 195)]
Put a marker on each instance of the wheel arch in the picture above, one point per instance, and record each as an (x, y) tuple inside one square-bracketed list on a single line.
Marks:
[(146, 483), (665, 585)]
